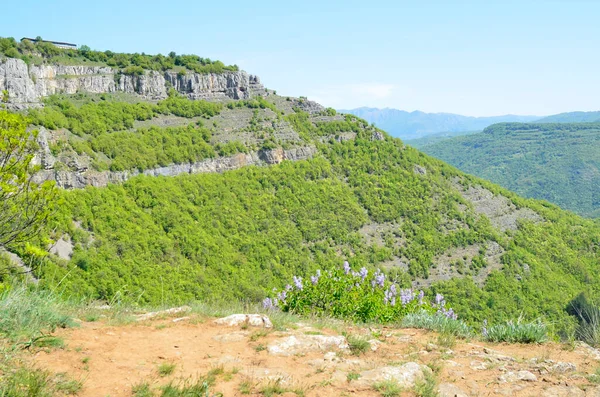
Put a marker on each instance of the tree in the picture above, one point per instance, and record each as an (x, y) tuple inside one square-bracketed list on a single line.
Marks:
[(24, 205)]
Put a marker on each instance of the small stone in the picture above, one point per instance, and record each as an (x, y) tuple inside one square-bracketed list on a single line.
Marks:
[(450, 390), (563, 367), (478, 365)]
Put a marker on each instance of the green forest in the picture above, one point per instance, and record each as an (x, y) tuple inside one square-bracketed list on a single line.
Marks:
[(557, 162), (238, 235)]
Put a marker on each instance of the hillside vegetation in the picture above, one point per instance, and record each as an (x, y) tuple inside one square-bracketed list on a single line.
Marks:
[(365, 198), (557, 162)]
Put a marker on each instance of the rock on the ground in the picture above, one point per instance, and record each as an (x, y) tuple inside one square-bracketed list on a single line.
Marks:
[(298, 344), (515, 376), (563, 391), (267, 374), (405, 375), (232, 337), (450, 390), (175, 310), (253, 320), (563, 367)]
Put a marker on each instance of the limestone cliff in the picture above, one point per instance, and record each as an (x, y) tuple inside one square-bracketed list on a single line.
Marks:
[(27, 85), (81, 178)]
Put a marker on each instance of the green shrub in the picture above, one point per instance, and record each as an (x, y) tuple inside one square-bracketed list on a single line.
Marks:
[(134, 70), (358, 296), (437, 322), (516, 332)]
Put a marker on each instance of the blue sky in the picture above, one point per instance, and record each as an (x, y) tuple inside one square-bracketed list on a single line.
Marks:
[(475, 58)]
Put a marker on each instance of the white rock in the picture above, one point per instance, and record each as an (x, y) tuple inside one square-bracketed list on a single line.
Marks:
[(298, 344), (406, 375), (515, 376), (175, 310), (254, 320)]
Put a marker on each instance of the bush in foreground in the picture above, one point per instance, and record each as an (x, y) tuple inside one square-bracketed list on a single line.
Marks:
[(361, 296)]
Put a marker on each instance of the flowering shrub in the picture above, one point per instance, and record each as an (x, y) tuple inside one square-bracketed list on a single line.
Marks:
[(354, 295)]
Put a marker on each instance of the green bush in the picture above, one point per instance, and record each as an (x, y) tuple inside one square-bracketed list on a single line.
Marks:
[(359, 296), (516, 332), (437, 322)]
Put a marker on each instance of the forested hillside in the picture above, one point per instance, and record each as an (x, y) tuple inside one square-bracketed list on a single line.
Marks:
[(364, 197), (557, 162)]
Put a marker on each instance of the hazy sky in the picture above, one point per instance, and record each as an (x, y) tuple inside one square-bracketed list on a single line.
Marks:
[(469, 57)]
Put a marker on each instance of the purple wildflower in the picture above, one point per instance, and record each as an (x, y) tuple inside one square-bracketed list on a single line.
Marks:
[(346, 267), (298, 282), (268, 303), (421, 296), (363, 273), (282, 295), (315, 279), (406, 296), (379, 278), (439, 300)]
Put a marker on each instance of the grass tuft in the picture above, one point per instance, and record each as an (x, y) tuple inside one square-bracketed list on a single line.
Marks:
[(166, 369), (437, 322), (517, 332), (358, 344), (388, 388)]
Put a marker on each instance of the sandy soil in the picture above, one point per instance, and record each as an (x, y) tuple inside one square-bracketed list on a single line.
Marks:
[(110, 360)]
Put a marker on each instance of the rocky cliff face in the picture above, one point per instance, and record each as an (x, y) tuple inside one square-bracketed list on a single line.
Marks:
[(27, 85), (82, 178)]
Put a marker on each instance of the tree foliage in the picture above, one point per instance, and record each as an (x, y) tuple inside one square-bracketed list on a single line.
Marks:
[(24, 205)]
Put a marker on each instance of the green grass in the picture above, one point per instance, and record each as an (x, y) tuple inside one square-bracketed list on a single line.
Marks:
[(141, 390), (33, 382), (388, 388), (28, 315), (188, 388), (427, 387), (166, 369), (358, 344), (352, 376), (517, 332), (438, 323)]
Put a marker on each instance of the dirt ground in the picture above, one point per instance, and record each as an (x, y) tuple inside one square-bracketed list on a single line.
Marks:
[(111, 360)]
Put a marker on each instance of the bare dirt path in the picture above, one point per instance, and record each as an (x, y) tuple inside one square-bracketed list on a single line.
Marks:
[(111, 360)]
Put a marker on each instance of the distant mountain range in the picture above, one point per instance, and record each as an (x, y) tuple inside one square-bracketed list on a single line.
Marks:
[(572, 117), (417, 124)]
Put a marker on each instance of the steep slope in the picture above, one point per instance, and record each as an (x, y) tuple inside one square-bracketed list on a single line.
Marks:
[(572, 117), (413, 125), (555, 162), (239, 195)]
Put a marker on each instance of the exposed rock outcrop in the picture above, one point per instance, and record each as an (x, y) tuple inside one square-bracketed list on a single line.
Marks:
[(79, 180), (27, 85)]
